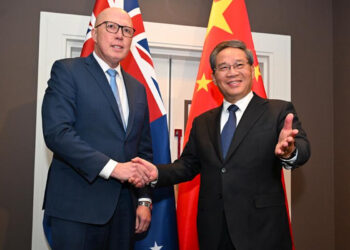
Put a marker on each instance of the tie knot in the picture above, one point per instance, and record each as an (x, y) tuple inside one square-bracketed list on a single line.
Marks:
[(232, 108), (112, 72)]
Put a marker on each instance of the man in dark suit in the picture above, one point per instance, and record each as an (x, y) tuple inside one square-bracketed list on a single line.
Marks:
[(95, 120), (241, 199)]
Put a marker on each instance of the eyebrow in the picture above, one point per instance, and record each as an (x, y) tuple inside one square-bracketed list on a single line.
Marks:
[(225, 63)]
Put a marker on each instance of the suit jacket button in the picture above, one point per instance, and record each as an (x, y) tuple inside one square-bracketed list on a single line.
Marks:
[(223, 170)]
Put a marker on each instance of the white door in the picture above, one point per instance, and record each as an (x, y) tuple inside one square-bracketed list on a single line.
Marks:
[(176, 52)]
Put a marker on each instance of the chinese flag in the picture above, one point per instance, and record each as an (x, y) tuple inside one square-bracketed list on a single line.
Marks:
[(228, 20)]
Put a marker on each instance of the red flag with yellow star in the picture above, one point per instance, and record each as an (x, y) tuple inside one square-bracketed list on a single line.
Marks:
[(228, 20)]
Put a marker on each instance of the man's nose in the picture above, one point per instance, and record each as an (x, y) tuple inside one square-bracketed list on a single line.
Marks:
[(119, 33), (232, 70)]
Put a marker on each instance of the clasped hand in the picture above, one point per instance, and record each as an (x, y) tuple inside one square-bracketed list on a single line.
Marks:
[(138, 172)]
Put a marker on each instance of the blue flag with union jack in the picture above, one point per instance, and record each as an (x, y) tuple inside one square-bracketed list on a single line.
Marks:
[(163, 230)]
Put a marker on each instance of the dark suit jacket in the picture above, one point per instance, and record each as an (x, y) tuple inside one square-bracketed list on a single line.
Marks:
[(246, 186), (83, 128)]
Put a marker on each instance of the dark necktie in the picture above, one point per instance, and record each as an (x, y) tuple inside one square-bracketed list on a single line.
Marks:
[(112, 73), (229, 129)]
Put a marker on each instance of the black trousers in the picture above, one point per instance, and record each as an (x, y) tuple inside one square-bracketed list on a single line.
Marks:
[(116, 234)]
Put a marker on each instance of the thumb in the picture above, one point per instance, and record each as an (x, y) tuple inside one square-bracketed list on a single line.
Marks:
[(136, 160), (288, 122), (137, 222)]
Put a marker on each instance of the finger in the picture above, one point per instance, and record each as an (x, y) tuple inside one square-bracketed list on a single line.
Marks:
[(295, 132), (139, 230), (144, 171), (141, 183), (145, 176), (288, 122), (144, 225), (134, 181), (141, 226), (152, 171), (143, 162), (285, 149), (137, 182), (140, 172), (279, 151), (282, 146), (137, 223), (291, 135), (136, 160)]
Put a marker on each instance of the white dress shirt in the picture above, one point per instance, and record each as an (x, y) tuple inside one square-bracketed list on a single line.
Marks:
[(109, 167), (241, 104)]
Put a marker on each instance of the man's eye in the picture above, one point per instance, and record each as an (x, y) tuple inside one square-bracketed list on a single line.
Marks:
[(127, 30), (239, 65), (224, 68)]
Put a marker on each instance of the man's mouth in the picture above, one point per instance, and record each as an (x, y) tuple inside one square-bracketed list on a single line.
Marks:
[(234, 82), (117, 47)]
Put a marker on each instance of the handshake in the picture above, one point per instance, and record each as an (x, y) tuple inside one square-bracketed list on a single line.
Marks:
[(138, 172)]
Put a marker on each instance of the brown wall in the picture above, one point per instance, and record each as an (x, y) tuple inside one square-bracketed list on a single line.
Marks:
[(320, 190), (341, 67)]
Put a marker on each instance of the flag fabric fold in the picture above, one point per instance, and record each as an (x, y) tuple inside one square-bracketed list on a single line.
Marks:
[(228, 20)]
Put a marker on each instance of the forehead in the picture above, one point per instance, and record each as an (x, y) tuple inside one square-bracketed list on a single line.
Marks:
[(115, 15), (230, 54)]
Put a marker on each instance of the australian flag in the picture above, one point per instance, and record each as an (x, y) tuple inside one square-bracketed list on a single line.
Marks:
[(162, 233)]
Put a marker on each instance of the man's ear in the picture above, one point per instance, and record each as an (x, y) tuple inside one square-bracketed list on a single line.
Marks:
[(253, 71), (213, 77), (94, 35)]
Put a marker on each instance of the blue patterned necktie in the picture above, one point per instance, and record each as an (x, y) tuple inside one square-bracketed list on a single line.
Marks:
[(113, 83), (229, 129)]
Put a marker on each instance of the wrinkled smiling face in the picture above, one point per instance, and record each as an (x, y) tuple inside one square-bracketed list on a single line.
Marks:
[(112, 48), (234, 82)]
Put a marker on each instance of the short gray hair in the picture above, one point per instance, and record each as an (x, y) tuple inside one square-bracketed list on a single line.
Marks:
[(230, 44)]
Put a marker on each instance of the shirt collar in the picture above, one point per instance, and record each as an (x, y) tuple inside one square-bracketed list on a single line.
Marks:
[(104, 65), (242, 104)]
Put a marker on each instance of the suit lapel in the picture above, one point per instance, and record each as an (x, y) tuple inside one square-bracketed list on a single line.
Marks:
[(131, 93), (101, 80), (214, 130), (251, 115)]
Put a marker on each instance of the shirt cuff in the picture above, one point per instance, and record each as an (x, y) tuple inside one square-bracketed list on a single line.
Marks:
[(108, 169), (145, 199), (154, 183), (288, 163)]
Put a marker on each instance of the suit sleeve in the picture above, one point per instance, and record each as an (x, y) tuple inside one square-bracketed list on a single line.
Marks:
[(59, 116), (145, 145), (186, 167), (301, 142), (145, 152)]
